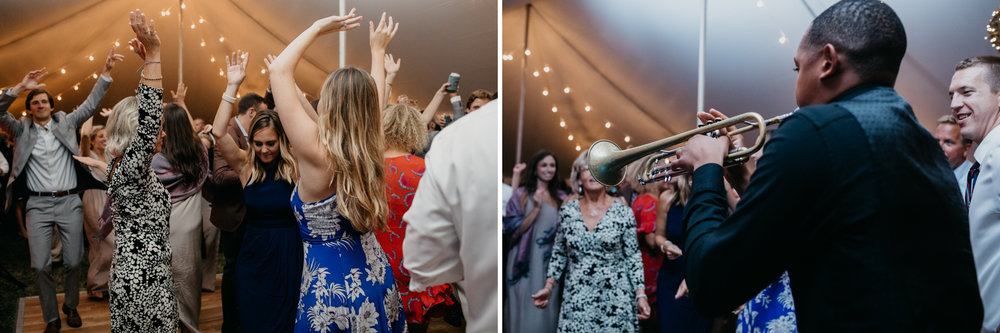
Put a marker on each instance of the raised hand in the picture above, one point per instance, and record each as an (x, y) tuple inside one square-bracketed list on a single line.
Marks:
[(518, 168), (179, 94), (109, 63), (380, 36), (31, 80), (268, 60), (138, 48), (338, 23), (106, 112), (392, 65), (145, 31), (236, 67)]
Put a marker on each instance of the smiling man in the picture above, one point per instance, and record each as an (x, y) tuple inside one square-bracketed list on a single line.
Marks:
[(975, 103)]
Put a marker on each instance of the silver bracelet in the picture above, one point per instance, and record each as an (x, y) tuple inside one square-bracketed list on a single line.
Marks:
[(641, 296), (230, 99)]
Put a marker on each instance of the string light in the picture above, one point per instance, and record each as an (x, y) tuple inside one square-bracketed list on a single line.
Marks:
[(508, 57), (76, 87), (183, 6), (237, 95), (168, 12), (59, 97), (24, 113), (628, 138), (570, 137), (202, 43), (222, 39), (91, 58), (94, 75), (562, 123), (212, 59), (586, 108), (782, 39), (535, 73), (221, 73), (116, 44), (555, 109), (992, 28), (546, 69), (201, 20), (130, 48), (577, 147), (62, 70), (192, 26), (545, 92), (566, 90), (607, 125), (527, 52), (263, 71)]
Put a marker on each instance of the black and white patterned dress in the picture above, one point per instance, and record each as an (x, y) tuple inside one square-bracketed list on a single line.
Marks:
[(142, 294), (603, 269)]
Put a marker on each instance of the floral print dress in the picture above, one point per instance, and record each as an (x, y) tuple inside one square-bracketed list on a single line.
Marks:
[(602, 269), (142, 292), (347, 284)]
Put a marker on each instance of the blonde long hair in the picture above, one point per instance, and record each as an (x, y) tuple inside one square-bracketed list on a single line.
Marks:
[(287, 168), (403, 129), (122, 126), (350, 127)]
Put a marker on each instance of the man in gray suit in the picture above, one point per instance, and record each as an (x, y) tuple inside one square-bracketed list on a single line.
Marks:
[(43, 168)]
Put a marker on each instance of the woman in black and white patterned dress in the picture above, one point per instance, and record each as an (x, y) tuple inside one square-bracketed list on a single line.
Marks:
[(142, 295), (603, 288)]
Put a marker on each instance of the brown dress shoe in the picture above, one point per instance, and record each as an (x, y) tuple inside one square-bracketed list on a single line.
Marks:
[(53, 326), (72, 317)]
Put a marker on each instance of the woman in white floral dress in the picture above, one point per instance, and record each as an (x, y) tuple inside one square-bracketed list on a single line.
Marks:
[(347, 284), (603, 289)]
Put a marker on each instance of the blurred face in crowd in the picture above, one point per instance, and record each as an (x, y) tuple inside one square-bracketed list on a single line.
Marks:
[(199, 125), (41, 110), (973, 103), (265, 144), (546, 168), (588, 182), (949, 136), (100, 140), (476, 104)]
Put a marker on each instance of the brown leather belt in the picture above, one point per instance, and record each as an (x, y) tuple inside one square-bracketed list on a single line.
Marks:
[(53, 194)]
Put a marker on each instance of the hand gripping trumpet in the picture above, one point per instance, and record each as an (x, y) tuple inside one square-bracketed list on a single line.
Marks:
[(607, 161)]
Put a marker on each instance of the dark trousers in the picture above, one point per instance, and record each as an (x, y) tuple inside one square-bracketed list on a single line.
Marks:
[(231, 242)]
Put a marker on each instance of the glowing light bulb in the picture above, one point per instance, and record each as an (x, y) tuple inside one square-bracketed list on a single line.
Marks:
[(59, 98), (201, 20), (527, 52), (202, 43), (24, 113), (222, 39), (192, 26), (586, 108), (237, 95), (546, 69), (545, 92), (183, 6), (212, 59), (76, 87), (577, 147), (63, 70), (570, 137), (607, 125), (263, 71), (116, 44), (94, 75), (566, 90), (554, 109), (628, 138), (562, 123), (535, 74), (221, 73), (91, 58), (168, 12)]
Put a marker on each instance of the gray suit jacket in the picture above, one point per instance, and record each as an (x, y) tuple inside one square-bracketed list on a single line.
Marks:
[(64, 127)]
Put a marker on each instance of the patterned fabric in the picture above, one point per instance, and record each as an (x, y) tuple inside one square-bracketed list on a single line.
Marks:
[(142, 293), (771, 311), (644, 209), (346, 286), (970, 184), (605, 270), (401, 178)]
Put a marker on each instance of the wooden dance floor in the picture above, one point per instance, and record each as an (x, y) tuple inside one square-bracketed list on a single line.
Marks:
[(96, 316)]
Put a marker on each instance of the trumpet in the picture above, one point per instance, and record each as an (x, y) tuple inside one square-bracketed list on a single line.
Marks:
[(607, 162)]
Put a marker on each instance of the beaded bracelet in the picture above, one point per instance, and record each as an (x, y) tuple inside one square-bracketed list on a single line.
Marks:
[(230, 99)]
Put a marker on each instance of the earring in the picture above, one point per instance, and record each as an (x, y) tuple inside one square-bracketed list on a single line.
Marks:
[(579, 189)]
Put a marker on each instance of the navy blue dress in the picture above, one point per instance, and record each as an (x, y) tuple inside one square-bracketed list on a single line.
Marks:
[(270, 260), (676, 315)]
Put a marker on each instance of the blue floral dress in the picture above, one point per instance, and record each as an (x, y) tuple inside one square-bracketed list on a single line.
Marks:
[(347, 283), (772, 310)]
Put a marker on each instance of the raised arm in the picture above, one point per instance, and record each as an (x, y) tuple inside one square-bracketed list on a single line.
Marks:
[(391, 69), (310, 111), (150, 95), (301, 130), (379, 38), (178, 96), (93, 101), (435, 103), (236, 70), (30, 81)]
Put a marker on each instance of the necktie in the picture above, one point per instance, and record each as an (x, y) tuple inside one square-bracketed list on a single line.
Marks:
[(970, 183)]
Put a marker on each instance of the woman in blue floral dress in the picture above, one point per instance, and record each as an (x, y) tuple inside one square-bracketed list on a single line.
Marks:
[(347, 283)]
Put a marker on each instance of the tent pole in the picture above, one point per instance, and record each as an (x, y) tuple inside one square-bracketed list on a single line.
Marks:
[(180, 41), (524, 77), (701, 58), (343, 39)]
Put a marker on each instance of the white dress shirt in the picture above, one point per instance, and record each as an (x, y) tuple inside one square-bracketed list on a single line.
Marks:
[(984, 227), (452, 232), (50, 167), (962, 174)]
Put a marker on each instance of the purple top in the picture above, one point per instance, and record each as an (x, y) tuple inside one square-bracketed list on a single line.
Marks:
[(173, 180)]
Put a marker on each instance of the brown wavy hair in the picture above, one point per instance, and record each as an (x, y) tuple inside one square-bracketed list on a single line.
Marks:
[(287, 169), (350, 127)]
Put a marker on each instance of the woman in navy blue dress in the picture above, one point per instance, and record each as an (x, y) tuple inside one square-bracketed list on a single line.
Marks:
[(270, 258)]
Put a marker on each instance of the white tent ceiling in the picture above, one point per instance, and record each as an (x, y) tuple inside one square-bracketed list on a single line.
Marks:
[(435, 38), (635, 64)]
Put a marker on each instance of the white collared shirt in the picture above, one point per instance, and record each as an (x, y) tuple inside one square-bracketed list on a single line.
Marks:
[(50, 167), (962, 175), (452, 231), (984, 227)]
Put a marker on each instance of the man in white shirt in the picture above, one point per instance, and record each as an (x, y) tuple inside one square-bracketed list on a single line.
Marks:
[(452, 232), (956, 149), (975, 103)]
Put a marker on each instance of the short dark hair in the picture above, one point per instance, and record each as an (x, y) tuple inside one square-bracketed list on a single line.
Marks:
[(992, 66), (868, 32), (248, 101), (31, 95), (479, 93)]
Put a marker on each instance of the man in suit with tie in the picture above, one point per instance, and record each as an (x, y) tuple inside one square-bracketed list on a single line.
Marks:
[(852, 197), (43, 168), (975, 103)]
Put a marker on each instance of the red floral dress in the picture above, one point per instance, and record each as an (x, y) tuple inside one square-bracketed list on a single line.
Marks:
[(402, 174), (644, 208)]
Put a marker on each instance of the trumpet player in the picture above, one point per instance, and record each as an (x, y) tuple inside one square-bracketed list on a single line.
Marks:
[(847, 196)]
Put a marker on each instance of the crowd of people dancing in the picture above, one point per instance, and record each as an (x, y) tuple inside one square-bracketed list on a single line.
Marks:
[(316, 206)]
